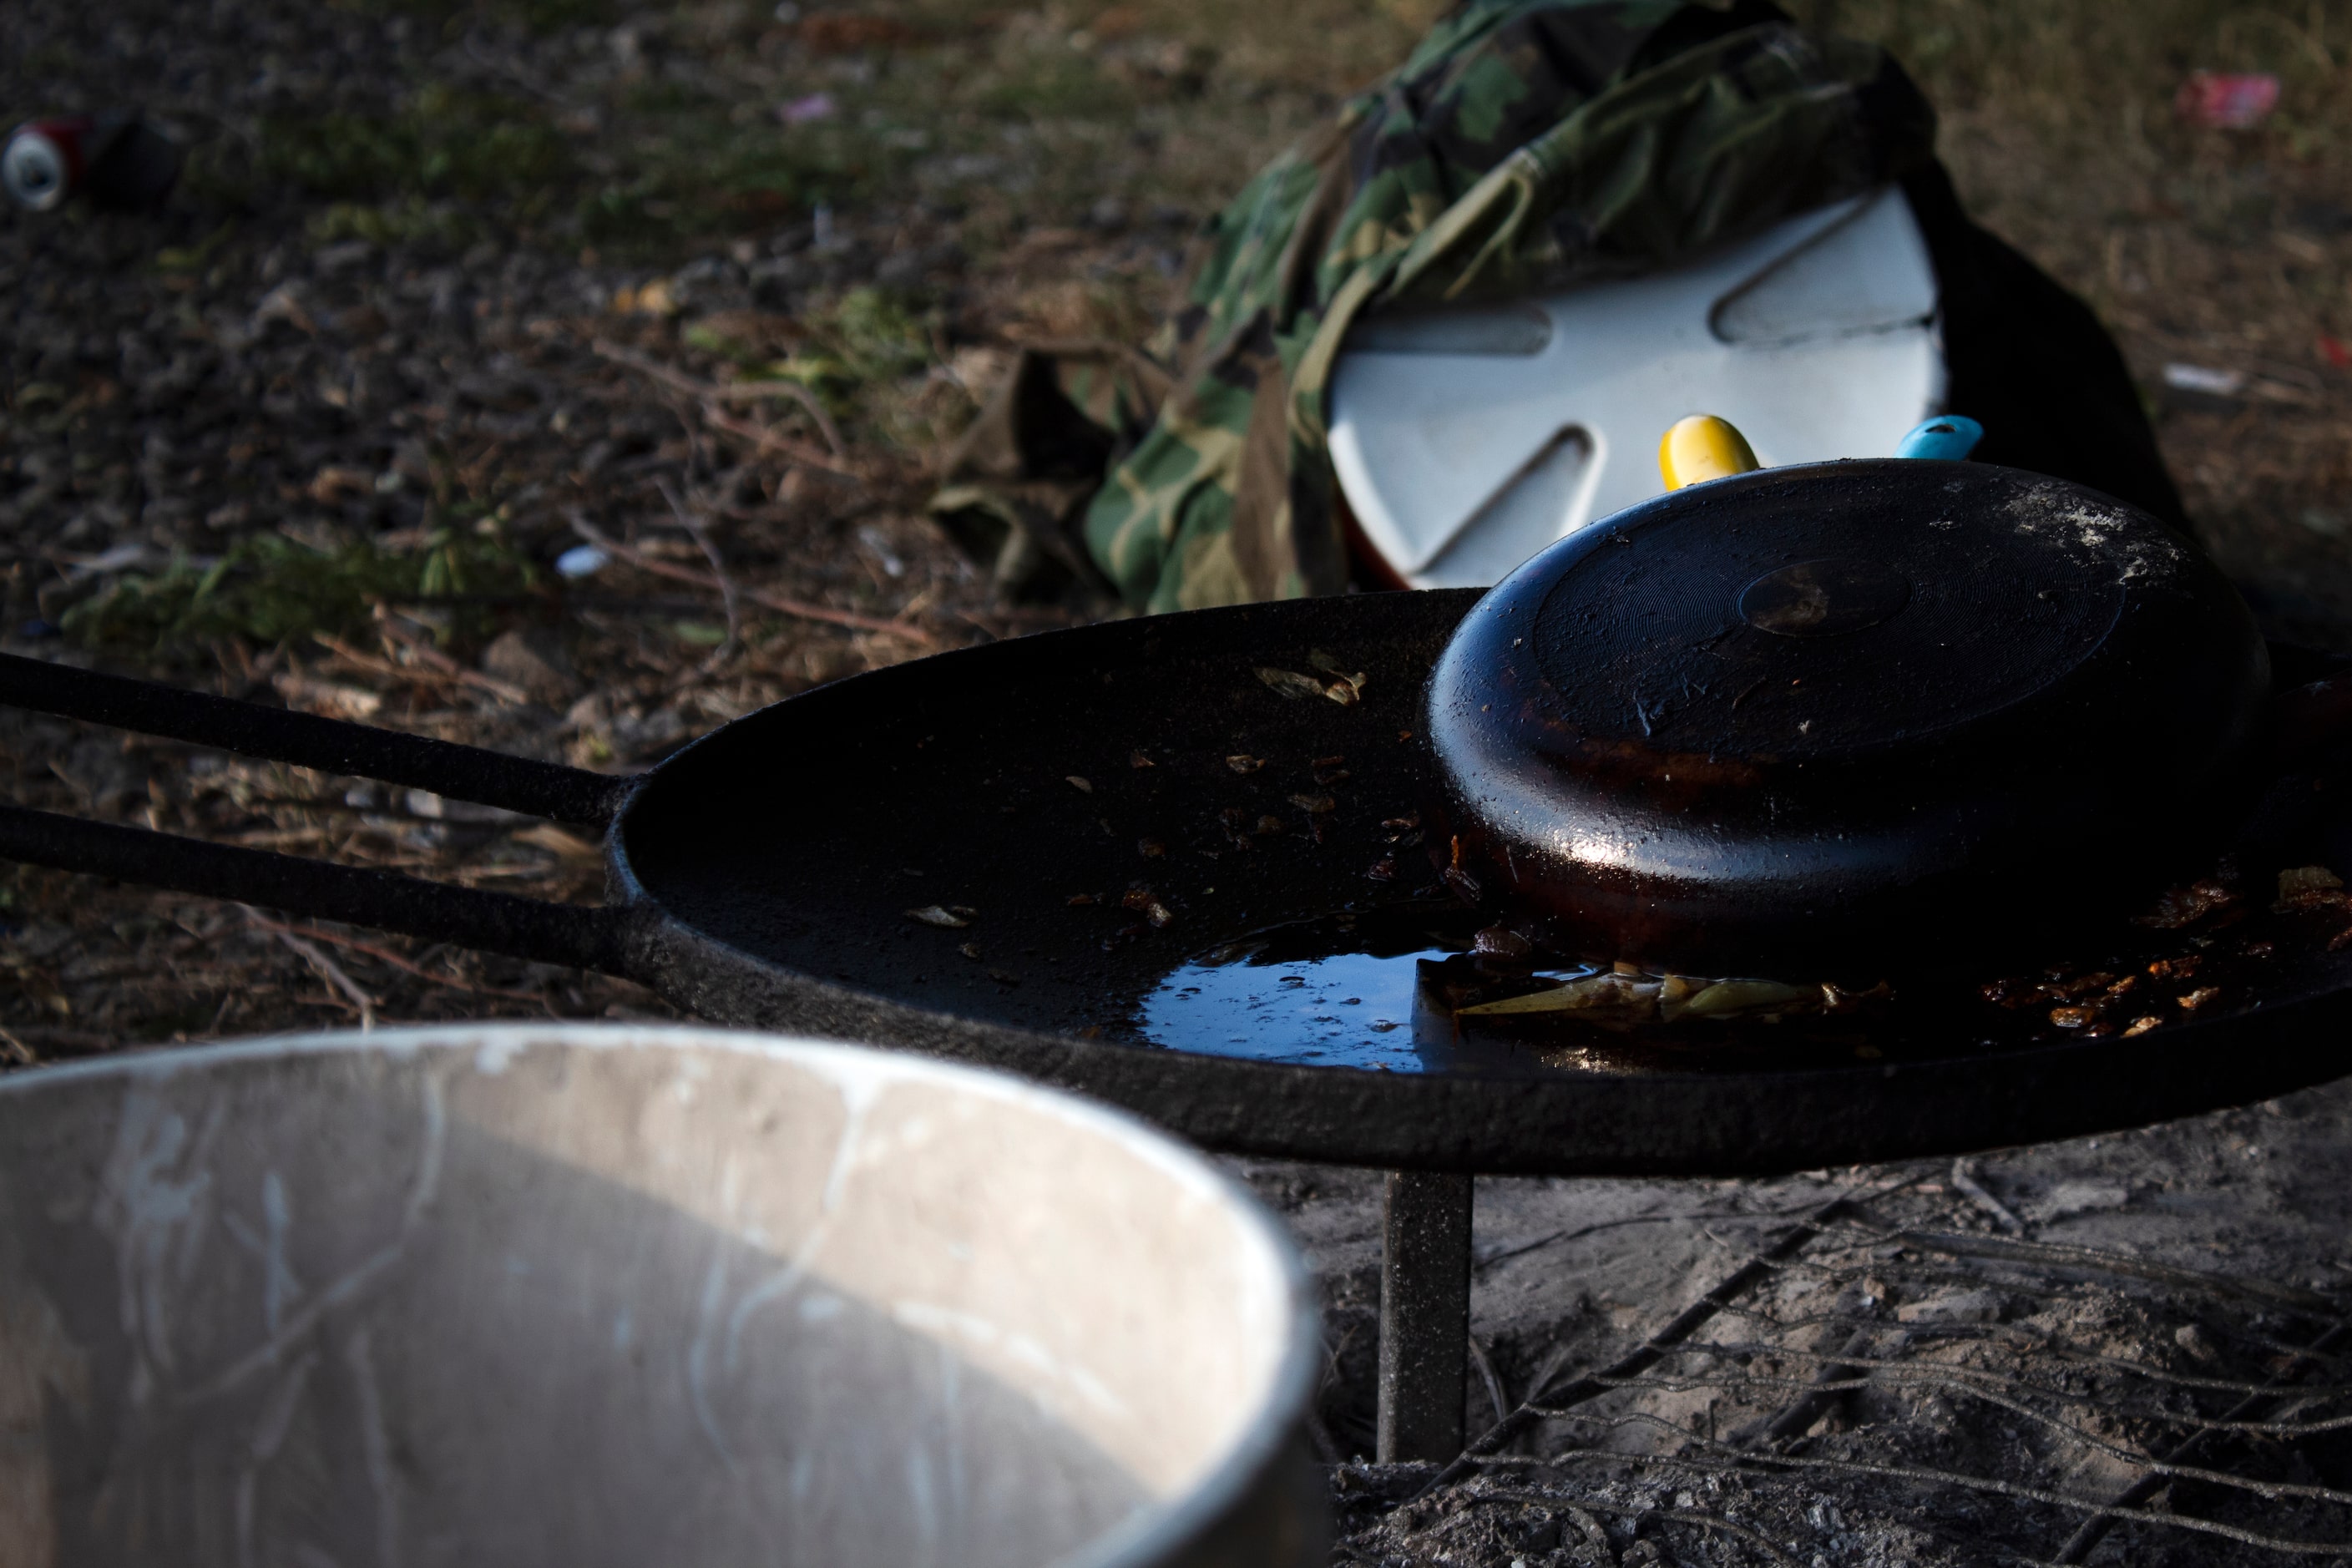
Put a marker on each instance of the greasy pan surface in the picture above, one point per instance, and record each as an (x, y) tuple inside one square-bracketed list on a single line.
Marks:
[(773, 865)]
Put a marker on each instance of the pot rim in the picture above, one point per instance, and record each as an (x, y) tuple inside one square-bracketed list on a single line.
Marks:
[(1155, 1533)]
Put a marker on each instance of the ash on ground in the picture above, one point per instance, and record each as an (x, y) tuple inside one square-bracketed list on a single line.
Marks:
[(1961, 1363)]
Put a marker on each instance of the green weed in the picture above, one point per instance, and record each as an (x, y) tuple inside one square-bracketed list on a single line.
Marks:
[(447, 143), (1050, 83), (862, 352), (270, 589), (699, 174), (403, 220)]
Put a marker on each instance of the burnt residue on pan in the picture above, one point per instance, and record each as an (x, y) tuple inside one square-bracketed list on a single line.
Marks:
[(1418, 985)]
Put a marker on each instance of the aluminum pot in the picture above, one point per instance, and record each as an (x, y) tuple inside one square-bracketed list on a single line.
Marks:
[(582, 1296)]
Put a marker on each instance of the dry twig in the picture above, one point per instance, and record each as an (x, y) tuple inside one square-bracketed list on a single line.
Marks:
[(385, 955), (1541, 1402), (325, 967), (727, 590), (1964, 1181), (385, 668), (794, 607), (708, 396)]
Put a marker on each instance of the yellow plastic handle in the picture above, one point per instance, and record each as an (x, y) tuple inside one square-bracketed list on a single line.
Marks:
[(1703, 447)]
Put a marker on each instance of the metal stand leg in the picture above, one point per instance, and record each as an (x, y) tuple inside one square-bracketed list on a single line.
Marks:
[(1424, 1316)]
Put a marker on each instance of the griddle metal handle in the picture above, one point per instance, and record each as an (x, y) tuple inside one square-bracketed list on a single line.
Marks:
[(330, 745), (581, 936)]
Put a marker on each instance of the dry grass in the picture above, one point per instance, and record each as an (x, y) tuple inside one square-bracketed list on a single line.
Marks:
[(2219, 248)]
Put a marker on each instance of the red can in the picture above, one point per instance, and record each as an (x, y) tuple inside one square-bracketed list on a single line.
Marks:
[(117, 160)]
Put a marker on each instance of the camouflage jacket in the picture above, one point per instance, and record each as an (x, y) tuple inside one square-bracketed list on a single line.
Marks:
[(1525, 143)]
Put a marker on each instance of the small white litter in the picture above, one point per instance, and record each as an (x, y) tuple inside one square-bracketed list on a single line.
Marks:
[(581, 561), (2204, 379)]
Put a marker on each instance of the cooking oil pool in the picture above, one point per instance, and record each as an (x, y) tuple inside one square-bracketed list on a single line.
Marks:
[(1341, 991), (1343, 1009)]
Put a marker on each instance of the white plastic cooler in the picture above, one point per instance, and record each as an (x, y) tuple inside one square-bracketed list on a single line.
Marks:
[(1467, 439)]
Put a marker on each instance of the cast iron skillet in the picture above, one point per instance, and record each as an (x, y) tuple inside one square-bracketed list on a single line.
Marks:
[(763, 876), (1819, 721)]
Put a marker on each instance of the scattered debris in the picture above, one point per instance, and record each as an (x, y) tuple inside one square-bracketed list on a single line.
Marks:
[(581, 562), (534, 661), (2181, 906), (117, 161), (2205, 380), (805, 111), (2227, 100), (1965, 1182)]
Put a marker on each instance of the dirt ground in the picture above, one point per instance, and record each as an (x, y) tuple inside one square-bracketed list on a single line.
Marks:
[(1948, 1353), (452, 288)]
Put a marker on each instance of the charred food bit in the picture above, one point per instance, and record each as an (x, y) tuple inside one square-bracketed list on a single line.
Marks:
[(2296, 883), (1346, 690), (1466, 886), (1837, 999), (1269, 825), (1501, 941), (1314, 804), (935, 915), (1079, 900), (1290, 683), (1139, 900), (1244, 763), (2201, 997), (1137, 760), (2315, 888), (969, 949), (2186, 906), (1354, 684), (2142, 1026), (1151, 848), (1081, 785)]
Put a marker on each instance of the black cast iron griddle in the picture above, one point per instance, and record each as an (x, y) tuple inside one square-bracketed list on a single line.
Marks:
[(763, 876)]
